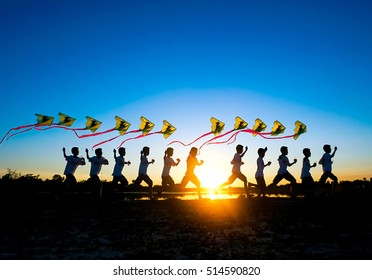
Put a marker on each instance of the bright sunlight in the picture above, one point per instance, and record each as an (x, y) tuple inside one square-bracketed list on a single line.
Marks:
[(211, 177)]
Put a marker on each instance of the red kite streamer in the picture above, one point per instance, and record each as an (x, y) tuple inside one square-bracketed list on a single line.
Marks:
[(216, 129)]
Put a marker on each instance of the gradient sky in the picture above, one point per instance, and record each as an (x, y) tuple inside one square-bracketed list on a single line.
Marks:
[(185, 61)]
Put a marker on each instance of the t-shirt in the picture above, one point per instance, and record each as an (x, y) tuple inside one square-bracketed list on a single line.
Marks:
[(236, 162), (260, 167), (191, 163), (326, 161), (119, 165), (283, 164), (72, 164), (305, 168), (168, 163), (96, 164), (143, 165)]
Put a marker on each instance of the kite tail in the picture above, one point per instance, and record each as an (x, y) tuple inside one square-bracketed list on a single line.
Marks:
[(139, 136), (93, 134), (280, 137), (15, 133), (38, 127), (234, 136), (17, 128), (65, 128), (226, 141), (234, 139), (216, 137), (113, 138), (103, 142), (33, 126), (200, 137)]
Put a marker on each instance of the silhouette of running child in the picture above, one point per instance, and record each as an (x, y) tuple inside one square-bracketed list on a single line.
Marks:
[(142, 172), (283, 172), (326, 162), (192, 162), (95, 168), (118, 168), (73, 162), (307, 180), (236, 173), (166, 179), (260, 179)]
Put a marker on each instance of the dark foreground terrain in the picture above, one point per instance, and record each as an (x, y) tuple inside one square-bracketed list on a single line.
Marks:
[(82, 227)]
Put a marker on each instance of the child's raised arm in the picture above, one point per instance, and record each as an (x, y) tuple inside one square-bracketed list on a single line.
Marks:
[(334, 151), (246, 149), (86, 151), (64, 152)]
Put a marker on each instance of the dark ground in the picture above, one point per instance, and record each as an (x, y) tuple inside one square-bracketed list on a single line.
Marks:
[(40, 227)]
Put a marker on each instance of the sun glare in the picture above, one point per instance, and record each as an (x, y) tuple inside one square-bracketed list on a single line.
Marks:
[(211, 178)]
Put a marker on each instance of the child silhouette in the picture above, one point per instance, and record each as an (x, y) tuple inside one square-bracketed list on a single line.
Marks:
[(260, 179), (166, 179), (142, 172), (326, 162), (118, 168), (283, 172), (236, 173), (307, 179), (192, 162), (73, 162), (95, 168)]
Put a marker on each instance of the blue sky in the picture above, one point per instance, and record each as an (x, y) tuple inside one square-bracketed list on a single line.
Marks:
[(185, 61)]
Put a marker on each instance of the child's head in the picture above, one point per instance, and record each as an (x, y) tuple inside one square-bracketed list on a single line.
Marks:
[(306, 152), (261, 152), (75, 151), (122, 151), (193, 151), (284, 150), (169, 152), (98, 152), (239, 149), (146, 151), (327, 148)]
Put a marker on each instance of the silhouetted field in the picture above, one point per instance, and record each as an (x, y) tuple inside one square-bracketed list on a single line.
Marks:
[(40, 225)]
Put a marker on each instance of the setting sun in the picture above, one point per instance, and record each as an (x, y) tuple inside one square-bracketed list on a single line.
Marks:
[(211, 177)]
